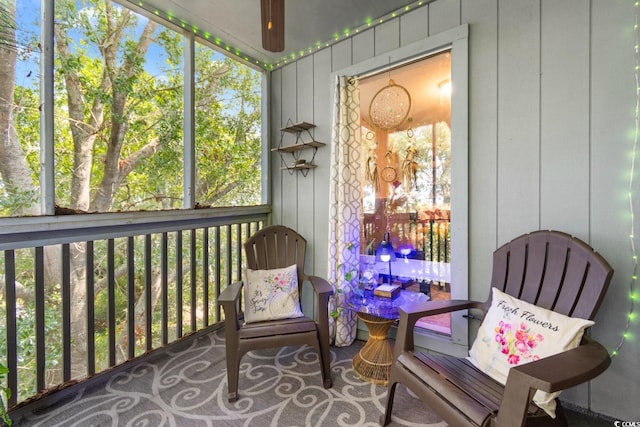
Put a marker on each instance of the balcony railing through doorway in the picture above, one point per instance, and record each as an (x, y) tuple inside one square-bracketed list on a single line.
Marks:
[(429, 237)]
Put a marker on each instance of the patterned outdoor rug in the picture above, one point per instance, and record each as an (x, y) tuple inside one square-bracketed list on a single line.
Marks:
[(277, 388)]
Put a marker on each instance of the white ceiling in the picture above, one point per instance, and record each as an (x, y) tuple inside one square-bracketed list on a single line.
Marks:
[(308, 23), (236, 23)]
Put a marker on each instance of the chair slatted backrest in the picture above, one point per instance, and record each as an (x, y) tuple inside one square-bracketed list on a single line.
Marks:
[(276, 246), (553, 270)]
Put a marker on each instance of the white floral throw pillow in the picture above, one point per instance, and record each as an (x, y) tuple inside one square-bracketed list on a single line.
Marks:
[(515, 332), (271, 294)]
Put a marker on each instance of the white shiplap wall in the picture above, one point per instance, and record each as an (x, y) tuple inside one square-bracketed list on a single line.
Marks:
[(551, 116)]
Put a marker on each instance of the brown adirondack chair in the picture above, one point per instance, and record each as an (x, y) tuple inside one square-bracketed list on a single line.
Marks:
[(270, 248), (547, 268)]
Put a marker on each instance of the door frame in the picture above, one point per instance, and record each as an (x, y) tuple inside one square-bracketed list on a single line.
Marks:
[(456, 40)]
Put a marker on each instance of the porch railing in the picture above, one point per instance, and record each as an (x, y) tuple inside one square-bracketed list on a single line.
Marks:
[(430, 238), (82, 294)]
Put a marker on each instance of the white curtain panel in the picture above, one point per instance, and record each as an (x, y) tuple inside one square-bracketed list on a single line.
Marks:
[(344, 208)]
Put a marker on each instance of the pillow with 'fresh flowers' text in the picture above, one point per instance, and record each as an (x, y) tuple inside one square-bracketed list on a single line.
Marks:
[(515, 332)]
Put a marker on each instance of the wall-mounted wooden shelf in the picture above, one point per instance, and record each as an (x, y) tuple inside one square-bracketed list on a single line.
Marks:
[(297, 127), (300, 144), (299, 167)]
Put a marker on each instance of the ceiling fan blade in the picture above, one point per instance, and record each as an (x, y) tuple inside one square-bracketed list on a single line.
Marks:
[(272, 19)]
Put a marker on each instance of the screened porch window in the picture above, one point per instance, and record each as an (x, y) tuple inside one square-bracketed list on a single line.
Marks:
[(112, 129)]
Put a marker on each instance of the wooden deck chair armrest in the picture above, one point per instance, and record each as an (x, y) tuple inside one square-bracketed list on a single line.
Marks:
[(320, 286), (231, 293), (566, 369), (551, 374), (229, 299), (323, 291), (411, 313)]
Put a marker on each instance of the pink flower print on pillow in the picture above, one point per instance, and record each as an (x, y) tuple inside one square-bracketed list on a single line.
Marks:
[(282, 282), (517, 345)]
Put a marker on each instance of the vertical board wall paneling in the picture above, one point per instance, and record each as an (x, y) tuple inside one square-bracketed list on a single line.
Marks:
[(304, 95), (363, 45), (387, 36), (305, 188), (323, 95), (443, 14), (289, 112), (341, 55), (482, 16), (564, 121), (460, 187), (613, 103), (564, 127), (275, 116), (414, 26), (518, 118)]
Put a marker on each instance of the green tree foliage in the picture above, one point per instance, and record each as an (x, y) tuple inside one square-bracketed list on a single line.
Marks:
[(118, 134), (119, 117), (5, 393), (228, 138)]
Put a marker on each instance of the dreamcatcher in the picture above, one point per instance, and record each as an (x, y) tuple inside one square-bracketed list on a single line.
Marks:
[(371, 167), (410, 166), (389, 173), (371, 171), (390, 106)]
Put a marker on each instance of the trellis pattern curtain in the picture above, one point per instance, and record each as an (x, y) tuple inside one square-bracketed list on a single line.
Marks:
[(344, 207)]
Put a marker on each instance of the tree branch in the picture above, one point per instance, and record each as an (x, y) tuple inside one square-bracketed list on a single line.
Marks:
[(130, 163)]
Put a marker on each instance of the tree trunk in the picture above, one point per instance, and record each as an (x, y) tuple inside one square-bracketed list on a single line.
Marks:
[(14, 170), (84, 133), (115, 169)]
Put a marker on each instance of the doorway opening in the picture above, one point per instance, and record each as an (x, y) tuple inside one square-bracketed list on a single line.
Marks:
[(406, 191)]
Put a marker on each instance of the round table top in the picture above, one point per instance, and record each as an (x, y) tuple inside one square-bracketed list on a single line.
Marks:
[(367, 303)]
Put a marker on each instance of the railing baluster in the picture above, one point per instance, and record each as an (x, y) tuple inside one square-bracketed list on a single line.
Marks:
[(131, 295), (40, 325), (91, 315), (179, 283), (446, 241), (165, 288), (10, 314), (229, 270), (66, 312), (431, 229), (193, 260), (229, 257), (205, 276), (217, 269), (239, 253), (148, 277), (111, 301)]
